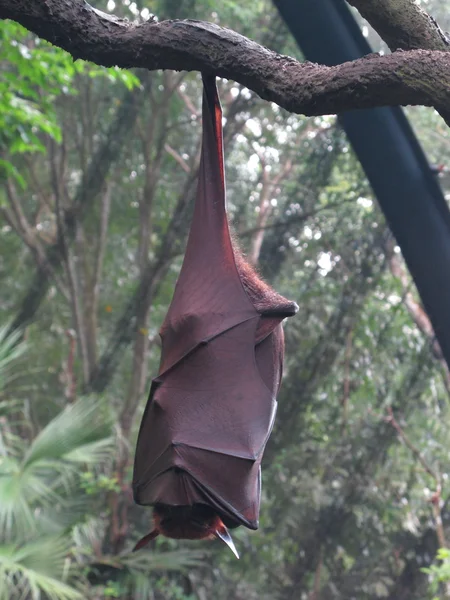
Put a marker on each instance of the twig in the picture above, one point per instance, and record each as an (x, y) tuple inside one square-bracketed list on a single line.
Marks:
[(189, 104), (415, 309), (346, 392), (68, 370), (294, 219), (436, 497), (178, 158), (315, 593), (416, 452)]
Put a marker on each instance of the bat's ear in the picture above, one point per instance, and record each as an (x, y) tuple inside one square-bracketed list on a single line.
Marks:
[(223, 534), (146, 539)]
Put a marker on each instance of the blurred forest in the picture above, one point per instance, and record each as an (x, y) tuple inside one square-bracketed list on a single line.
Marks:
[(99, 171)]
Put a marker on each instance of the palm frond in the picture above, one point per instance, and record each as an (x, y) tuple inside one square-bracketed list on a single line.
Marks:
[(47, 475), (37, 570), (64, 515), (178, 560), (87, 535), (10, 443), (14, 505), (142, 586), (92, 453), (11, 348), (132, 570), (79, 424)]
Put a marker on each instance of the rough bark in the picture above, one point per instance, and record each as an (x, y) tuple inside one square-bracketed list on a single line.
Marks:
[(402, 24), (417, 77)]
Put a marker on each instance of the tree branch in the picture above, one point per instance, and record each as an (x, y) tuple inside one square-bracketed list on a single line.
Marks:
[(403, 24), (408, 443), (18, 221), (90, 186), (150, 280), (436, 497), (415, 308), (417, 77)]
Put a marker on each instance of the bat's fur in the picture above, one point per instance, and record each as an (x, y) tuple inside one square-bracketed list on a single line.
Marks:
[(260, 293), (197, 522)]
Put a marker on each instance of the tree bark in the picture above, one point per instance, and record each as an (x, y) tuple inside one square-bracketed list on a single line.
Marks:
[(402, 24), (416, 77)]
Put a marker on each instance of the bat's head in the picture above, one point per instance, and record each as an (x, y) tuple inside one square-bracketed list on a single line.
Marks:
[(196, 522)]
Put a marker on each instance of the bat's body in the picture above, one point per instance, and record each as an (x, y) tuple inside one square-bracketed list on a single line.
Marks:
[(211, 408)]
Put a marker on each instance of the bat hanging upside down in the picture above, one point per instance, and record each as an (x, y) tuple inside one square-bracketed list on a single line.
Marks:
[(212, 406)]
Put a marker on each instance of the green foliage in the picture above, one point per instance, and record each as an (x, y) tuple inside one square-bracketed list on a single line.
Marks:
[(93, 484), (38, 480), (33, 74), (12, 347), (34, 570), (72, 436), (439, 574), (47, 471)]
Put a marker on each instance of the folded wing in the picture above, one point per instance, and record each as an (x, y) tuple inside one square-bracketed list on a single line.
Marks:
[(213, 404)]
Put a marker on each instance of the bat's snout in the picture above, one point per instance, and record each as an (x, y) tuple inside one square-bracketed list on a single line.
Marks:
[(196, 522)]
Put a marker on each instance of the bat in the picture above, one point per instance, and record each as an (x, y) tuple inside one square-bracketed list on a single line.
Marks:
[(212, 406)]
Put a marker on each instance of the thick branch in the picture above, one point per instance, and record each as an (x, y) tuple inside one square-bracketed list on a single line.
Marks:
[(403, 24), (419, 77)]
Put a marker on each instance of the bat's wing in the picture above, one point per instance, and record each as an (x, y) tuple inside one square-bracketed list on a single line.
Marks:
[(209, 418), (212, 406), (209, 297)]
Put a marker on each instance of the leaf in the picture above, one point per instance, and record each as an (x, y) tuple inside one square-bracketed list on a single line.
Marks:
[(36, 569), (178, 560), (12, 347), (19, 491), (50, 467), (10, 171), (77, 426)]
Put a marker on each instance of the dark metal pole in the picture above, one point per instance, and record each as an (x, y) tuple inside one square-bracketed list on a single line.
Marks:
[(395, 165)]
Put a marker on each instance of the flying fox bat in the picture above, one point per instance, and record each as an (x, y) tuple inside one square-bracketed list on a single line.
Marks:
[(212, 406)]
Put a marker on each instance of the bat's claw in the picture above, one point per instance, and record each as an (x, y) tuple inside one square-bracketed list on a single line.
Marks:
[(224, 535)]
